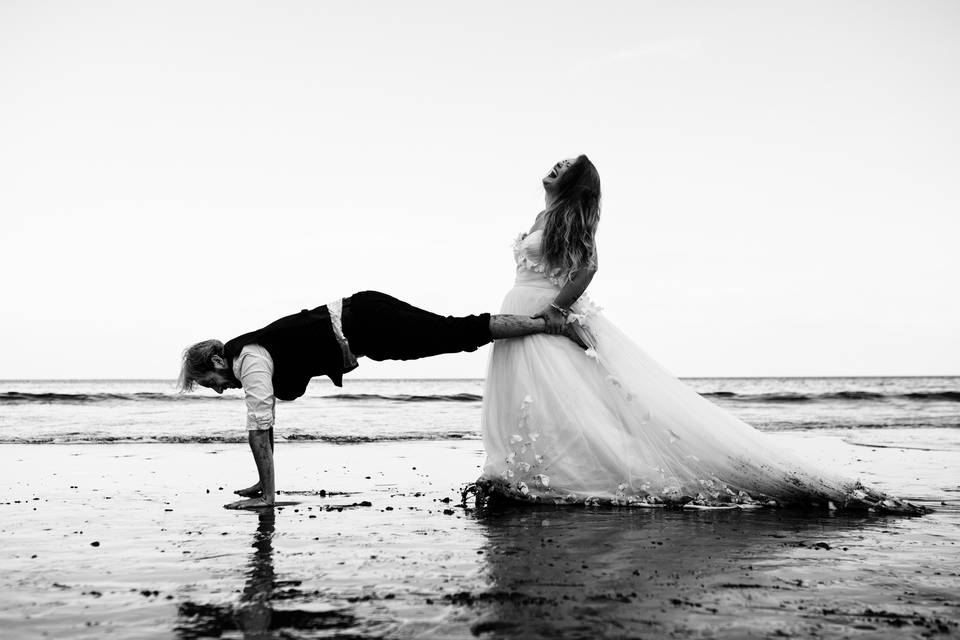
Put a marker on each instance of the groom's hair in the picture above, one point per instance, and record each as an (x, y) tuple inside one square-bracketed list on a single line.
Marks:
[(197, 361)]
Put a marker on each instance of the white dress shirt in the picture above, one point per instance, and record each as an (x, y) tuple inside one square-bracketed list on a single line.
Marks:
[(253, 367)]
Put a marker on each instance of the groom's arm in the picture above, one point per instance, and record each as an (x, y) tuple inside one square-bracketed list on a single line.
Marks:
[(255, 372), (505, 326), (262, 450)]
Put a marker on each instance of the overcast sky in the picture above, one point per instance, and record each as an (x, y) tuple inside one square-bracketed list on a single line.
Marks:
[(781, 192)]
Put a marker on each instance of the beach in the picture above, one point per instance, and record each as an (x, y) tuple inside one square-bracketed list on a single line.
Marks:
[(373, 232), (370, 541)]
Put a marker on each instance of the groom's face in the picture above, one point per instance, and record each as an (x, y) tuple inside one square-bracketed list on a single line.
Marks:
[(218, 380)]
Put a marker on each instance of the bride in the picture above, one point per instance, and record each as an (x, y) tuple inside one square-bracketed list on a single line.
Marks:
[(610, 425)]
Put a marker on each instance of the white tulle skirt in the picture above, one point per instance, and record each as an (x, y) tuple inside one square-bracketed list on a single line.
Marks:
[(610, 425)]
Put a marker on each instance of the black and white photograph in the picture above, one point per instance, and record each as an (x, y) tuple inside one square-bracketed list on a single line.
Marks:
[(508, 320)]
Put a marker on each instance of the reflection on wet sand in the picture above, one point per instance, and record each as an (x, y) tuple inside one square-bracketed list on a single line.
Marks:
[(255, 615), (396, 559), (607, 572)]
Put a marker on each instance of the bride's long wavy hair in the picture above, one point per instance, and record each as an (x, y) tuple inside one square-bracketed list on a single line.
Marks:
[(570, 224)]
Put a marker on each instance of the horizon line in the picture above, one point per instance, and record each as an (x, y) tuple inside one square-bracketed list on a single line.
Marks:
[(461, 378)]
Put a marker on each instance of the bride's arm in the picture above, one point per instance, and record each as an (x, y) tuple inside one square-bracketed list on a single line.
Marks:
[(572, 291), (569, 294)]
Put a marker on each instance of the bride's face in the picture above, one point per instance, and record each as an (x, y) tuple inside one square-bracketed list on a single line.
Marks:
[(558, 170)]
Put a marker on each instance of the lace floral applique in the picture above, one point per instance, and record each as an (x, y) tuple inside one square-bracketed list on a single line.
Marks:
[(583, 309), (524, 262), (522, 462)]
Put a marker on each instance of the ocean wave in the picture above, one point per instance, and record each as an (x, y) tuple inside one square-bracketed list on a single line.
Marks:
[(917, 396), (441, 397), (813, 425), (20, 397), (922, 446), (233, 438), (949, 396)]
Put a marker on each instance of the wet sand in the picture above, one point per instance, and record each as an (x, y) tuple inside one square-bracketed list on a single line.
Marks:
[(131, 541)]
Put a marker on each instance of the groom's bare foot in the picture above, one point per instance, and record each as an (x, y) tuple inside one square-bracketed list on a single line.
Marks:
[(250, 492), (250, 503)]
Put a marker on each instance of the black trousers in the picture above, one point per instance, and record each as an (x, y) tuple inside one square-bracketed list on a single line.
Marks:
[(382, 327)]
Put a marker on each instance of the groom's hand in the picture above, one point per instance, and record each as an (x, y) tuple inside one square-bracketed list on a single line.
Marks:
[(553, 318)]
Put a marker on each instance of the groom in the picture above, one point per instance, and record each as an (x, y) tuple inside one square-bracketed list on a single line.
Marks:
[(279, 360)]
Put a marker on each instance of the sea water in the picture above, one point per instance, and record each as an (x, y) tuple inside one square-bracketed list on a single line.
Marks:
[(917, 412)]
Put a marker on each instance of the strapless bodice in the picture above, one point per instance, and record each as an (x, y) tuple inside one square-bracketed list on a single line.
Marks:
[(531, 269)]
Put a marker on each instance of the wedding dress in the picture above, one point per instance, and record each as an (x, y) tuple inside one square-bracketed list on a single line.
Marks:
[(610, 425)]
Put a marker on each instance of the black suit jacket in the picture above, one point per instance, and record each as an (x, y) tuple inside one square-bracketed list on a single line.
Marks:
[(302, 346)]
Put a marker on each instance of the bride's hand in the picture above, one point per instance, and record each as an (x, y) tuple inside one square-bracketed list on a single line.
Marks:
[(554, 319)]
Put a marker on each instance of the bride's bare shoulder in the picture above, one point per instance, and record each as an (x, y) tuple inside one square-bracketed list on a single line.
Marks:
[(537, 223)]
